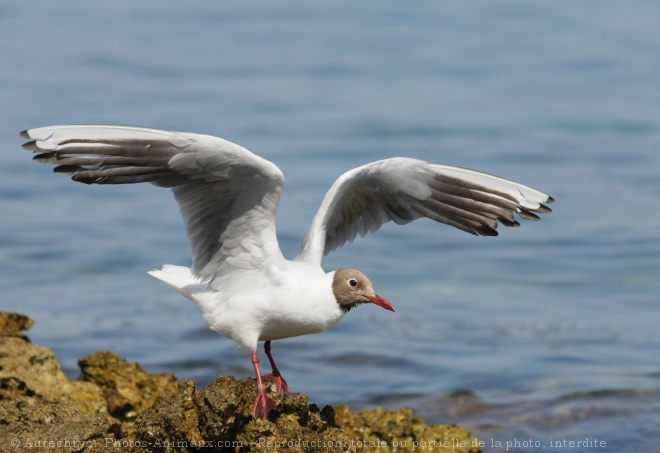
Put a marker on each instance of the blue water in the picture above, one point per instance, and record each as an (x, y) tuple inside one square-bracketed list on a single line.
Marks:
[(548, 332)]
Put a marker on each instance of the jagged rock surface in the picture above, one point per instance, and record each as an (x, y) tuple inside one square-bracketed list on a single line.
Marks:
[(117, 406)]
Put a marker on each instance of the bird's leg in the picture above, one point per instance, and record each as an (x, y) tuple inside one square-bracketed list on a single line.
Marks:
[(282, 386), (263, 404)]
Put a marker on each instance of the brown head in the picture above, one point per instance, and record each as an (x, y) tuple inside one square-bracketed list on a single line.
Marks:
[(352, 288)]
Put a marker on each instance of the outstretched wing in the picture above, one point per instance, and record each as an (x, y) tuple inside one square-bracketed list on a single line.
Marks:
[(227, 195), (403, 190)]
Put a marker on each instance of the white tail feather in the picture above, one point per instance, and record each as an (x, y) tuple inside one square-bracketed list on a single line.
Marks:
[(179, 278)]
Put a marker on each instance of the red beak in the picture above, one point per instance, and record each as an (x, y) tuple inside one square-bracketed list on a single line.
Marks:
[(376, 299)]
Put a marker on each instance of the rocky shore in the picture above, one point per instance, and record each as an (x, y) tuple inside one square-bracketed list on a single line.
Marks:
[(115, 405)]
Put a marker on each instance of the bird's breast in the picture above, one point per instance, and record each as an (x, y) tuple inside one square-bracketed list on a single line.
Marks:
[(293, 300), (301, 315)]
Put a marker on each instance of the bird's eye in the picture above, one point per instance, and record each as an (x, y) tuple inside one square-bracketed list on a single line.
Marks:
[(352, 282)]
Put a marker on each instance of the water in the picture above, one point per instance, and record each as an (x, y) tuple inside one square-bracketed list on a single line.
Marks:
[(546, 333)]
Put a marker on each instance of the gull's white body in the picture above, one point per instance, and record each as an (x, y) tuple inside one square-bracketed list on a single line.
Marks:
[(245, 289), (292, 298)]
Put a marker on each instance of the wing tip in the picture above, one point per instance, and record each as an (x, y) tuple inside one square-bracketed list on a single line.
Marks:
[(69, 170), (492, 232), (508, 223), (30, 146), (543, 209), (44, 158)]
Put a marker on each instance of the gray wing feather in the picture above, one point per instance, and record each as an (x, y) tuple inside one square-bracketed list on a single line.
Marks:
[(402, 190), (222, 189)]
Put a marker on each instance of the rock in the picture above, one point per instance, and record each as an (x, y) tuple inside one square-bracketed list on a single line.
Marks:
[(127, 388), (398, 428), (117, 406), (31, 370), (32, 423), (220, 416), (39, 407), (12, 325)]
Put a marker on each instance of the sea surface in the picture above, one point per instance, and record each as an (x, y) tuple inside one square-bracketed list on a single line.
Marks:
[(546, 335)]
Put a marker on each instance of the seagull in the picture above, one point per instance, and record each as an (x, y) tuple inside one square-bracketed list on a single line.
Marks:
[(245, 289)]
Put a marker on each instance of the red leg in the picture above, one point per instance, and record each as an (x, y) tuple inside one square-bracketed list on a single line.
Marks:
[(282, 386), (263, 404)]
